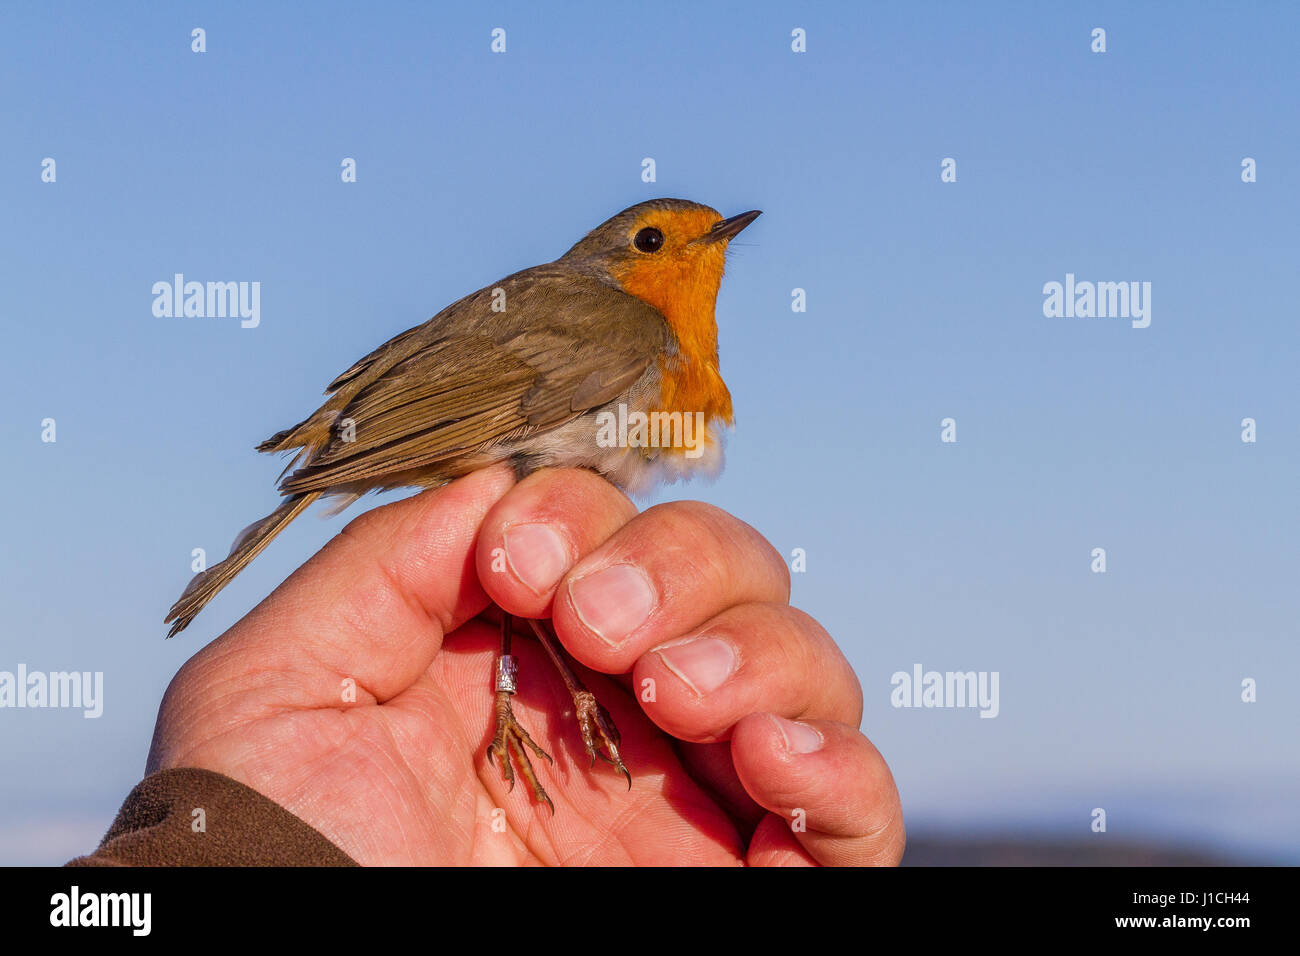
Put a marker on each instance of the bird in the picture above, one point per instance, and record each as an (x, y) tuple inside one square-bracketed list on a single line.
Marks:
[(585, 362)]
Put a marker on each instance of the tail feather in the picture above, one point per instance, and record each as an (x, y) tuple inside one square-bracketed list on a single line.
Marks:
[(250, 543), (277, 440)]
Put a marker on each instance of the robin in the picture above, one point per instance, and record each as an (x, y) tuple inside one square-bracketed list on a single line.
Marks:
[(606, 358)]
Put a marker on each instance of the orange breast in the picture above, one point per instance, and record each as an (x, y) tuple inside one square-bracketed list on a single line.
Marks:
[(685, 290)]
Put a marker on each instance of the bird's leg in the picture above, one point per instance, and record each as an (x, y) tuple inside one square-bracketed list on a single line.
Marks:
[(511, 738), (593, 719)]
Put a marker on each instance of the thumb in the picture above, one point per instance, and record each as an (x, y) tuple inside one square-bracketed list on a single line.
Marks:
[(374, 605)]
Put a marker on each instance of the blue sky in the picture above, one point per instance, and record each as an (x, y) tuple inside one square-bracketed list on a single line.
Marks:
[(924, 301)]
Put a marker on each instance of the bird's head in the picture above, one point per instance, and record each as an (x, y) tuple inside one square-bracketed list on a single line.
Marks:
[(669, 253)]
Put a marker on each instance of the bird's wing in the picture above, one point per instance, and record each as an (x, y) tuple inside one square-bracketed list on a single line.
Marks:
[(562, 343), (398, 347)]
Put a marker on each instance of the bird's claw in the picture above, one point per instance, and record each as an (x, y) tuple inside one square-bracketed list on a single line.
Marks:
[(593, 721), (512, 738)]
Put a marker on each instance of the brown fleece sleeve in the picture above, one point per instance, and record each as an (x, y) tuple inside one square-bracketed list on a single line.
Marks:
[(155, 827)]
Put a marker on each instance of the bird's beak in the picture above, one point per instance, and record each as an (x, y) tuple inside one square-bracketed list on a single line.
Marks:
[(726, 229)]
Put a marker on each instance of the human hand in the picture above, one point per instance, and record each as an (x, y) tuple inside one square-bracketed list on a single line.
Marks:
[(395, 604)]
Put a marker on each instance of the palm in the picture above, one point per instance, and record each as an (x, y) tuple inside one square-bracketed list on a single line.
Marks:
[(407, 782)]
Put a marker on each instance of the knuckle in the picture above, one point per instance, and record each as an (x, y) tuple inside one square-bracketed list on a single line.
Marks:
[(805, 647), (884, 835), (573, 497), (718, 542), (828, 657)]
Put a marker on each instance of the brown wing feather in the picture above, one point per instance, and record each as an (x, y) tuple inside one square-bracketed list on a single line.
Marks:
[(395, 348), (471, 377)]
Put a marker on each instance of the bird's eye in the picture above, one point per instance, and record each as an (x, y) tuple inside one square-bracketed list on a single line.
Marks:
[(649, 240)]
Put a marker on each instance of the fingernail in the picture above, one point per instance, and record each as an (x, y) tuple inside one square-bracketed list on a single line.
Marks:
[(704, 663), (614, 602), (799, 737), (537, 555)]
